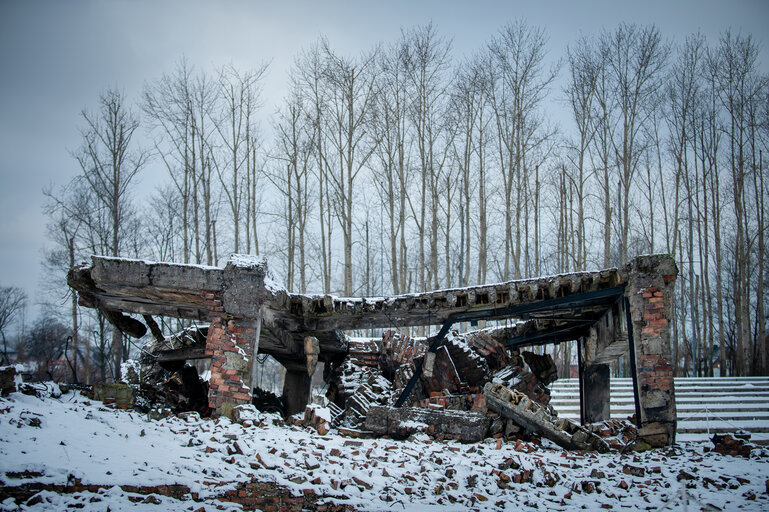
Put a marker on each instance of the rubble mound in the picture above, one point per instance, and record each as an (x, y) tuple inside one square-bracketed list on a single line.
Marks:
[(737, 445)]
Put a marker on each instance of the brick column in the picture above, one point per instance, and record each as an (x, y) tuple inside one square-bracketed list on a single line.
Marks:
[(650, 282), (229, 344)]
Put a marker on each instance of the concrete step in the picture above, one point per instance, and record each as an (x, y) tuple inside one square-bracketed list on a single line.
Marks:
[(704, 405), (762, 411)]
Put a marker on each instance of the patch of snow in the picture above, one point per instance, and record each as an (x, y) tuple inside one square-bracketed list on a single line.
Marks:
[(79, 438), (416, 425)]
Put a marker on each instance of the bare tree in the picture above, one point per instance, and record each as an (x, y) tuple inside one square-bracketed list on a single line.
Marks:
[(110, 162), (584, 68), (393, 153), (520, 83), (12, 302), (294, 153), (470, 100), (179, 107), (351, 87), (239, 94), (425, 57), (637, 59), (740, 88)]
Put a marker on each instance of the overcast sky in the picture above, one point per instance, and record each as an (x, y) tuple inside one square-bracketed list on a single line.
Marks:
[(55, 58)]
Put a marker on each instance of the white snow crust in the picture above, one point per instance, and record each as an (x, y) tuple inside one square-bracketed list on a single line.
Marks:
[(78, 438)]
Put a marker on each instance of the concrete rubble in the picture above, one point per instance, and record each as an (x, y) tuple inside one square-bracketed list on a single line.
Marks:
[(535, 418), (458, 395)]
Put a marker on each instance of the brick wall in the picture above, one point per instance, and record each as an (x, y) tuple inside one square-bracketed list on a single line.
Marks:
[(229, 344)]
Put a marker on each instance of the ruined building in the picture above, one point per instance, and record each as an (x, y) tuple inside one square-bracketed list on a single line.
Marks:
[(612, 312)]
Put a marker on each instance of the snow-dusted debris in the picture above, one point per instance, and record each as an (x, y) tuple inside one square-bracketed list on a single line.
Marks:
[(58, 442)]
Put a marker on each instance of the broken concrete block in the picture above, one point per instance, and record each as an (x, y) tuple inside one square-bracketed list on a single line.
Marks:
[(464, 426), (245, 412), (118, 393), (535, 419), (7, 380), (515, 377)]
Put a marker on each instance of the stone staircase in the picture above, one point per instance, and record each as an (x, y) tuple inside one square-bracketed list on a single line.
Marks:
[(704, 405)]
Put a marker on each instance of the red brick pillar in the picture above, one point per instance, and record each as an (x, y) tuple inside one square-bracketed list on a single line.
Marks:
[(229, 344), (650, 294)]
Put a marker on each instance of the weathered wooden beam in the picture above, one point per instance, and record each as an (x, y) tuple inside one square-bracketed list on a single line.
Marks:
[(157, 333), (126, 324)]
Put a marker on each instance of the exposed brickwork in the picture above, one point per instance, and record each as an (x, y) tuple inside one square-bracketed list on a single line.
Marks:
[(492, 350), (364, 352), (469, 364), (229, 344), (444, 376), (650, 294), (402, 348)]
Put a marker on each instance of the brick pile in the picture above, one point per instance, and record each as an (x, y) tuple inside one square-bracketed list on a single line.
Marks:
[(737, 445), (493, 352)]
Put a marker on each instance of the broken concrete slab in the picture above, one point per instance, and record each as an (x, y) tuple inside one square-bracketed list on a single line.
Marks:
[(535, 419), (464, 426), (542, 366)]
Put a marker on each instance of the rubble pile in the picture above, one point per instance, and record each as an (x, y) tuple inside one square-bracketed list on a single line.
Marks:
[(515, 376), (73, 453), (469, 387), (165, 385), (452, 388), (733, 444), (618, 434), (179, 389)]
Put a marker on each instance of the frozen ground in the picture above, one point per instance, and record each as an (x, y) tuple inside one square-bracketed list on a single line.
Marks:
[(65, 439)]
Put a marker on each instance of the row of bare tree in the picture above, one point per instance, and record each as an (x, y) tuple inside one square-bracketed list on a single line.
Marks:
[(401, 169)]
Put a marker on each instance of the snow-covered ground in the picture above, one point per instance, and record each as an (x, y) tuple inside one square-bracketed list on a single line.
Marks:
[(65, 439)]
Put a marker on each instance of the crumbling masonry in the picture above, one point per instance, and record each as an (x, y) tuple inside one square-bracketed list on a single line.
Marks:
[(612, 313)]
